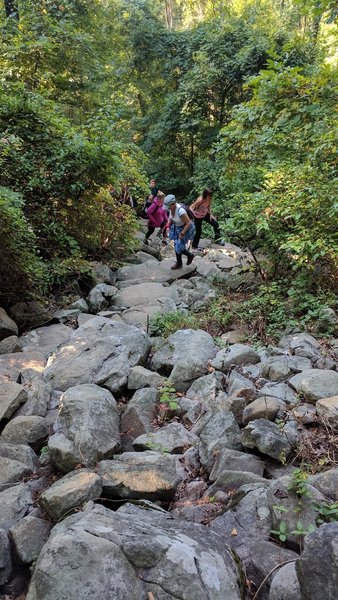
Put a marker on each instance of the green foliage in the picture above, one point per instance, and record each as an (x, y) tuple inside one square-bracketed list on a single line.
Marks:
[(168, 395), (166, 324), (281, 532), (20, 268), (327, 511), (279, 152)]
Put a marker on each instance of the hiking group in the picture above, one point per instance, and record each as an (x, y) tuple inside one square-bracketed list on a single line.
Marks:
[(182, 223)]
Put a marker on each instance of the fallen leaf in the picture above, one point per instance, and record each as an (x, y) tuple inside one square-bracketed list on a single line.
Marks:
[(151, 596), (234, 532)]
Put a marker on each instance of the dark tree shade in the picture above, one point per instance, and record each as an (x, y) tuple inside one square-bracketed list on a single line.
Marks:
[(11, 8)]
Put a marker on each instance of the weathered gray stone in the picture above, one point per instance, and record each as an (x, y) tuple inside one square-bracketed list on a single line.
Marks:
[(229, 481), (326, 483), (237, 354), (5, 558), (29, 430), (12, 471), (80, 304), (101, 351), (206, 388), (234, 336), (281, 391), (266, 556), (38, 392), (29, 536), (265, 407), (12, 366), (315, 384), (14, 502), (141, 293), (160, 272), (101, 273), (101, 297), (317, 568), (305, 413), (328, 409), (139, 378), (232, 460), (30, 314), (134, 553), (221, 431), (70, 492), (185, 354), (11, 396), (241, 386), (267, 438), (10, 344), (21, 453), (7, 325), (278, 368), (149, 475), (233, 404), (138, 416), (87, 428), (172, 438), (46, 339), (285, 584), (281, 494)]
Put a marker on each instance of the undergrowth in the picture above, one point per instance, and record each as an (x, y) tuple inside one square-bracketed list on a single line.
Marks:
[(265, 315)]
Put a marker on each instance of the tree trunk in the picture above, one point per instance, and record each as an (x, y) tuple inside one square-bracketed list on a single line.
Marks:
[(11, 9), (169, 13)]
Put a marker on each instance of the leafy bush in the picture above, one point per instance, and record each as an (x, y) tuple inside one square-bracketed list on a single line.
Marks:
[(21, 271)]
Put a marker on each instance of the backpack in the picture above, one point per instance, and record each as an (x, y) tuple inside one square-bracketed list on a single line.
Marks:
[(188, 211)]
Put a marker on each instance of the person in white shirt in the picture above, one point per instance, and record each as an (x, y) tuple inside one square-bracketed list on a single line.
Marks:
[(182, 230)]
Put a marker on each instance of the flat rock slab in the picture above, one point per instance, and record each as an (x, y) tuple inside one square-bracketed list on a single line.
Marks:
[(151, 271), (172, 438), (13, 365), (149, 475), (145, 293), (70, 492), (101, 351), (135, 554), (11, 396), (87, 428), (45, 339), (315, 384)]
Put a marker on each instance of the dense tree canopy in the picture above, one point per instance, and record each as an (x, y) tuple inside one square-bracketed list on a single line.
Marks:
[(237, 95)]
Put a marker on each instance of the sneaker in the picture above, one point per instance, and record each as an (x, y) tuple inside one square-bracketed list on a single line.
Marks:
[(176, 266), (190, 258)]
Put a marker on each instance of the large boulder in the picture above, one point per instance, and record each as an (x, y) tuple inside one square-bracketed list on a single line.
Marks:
[(185, 356), (317, 568), (15, 503), (7, 325), (206, 388), (101, 351), (28, 537), (24, 429), (21, 453), (278, 368), (221, 431), (172, 438), (13, 366), (328, 409), (134, 553), (138, 416), (70, 492), (12, 471), (149, 475), (11, 396), (237, 354), (87, 428), (46, 339), (267, 438), (285, 584), (144, 293), (315, 384), (101, 297)]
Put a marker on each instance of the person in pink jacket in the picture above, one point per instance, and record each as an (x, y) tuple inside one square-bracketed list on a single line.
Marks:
[(157, 216)]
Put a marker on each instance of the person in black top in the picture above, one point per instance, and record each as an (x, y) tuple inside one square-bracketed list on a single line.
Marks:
[(153, 188)]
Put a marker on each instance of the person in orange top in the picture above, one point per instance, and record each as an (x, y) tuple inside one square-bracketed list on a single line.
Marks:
[(201, 209)]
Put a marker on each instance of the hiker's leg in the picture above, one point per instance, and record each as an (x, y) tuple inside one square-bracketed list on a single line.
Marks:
[(198, 232), (214, 224), (178, 264), (150, 231), (190, 256)]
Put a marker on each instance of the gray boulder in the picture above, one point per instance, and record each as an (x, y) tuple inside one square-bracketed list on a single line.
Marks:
[(267, 438), (301, 344), (11, 396), (29, 430), (5, 557), (172, 438), (206, 388), (278, 368), (21, 453), (28, 537), (317, 568), (241, 386), (138, 416), (149, 475), (315, 384), (326, 483), (232, 460), (266, 556), (285, 584), (264, 407), (280, 390), (12, 471), (101, 273), (46, 339), (7, 325), (221, 431), (185, 356), (328, 409), (101, 297), (139, 378), (10, 344), (101, 351), (15, 503), (70, 492), (38, 395), (142, 293), (134, 553), (87, 428), (12, 366), (237, 354)]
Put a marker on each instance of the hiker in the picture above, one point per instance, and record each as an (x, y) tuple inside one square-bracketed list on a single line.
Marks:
[(157, 216), (201, 210), (182, 230), (126, 197), (153, 188), (148, 202)]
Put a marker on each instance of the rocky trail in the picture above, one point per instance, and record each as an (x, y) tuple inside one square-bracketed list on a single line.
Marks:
[(135, 467)]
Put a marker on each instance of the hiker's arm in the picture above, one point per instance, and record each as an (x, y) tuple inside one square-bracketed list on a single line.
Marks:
[(197, 203), (187, 224)]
